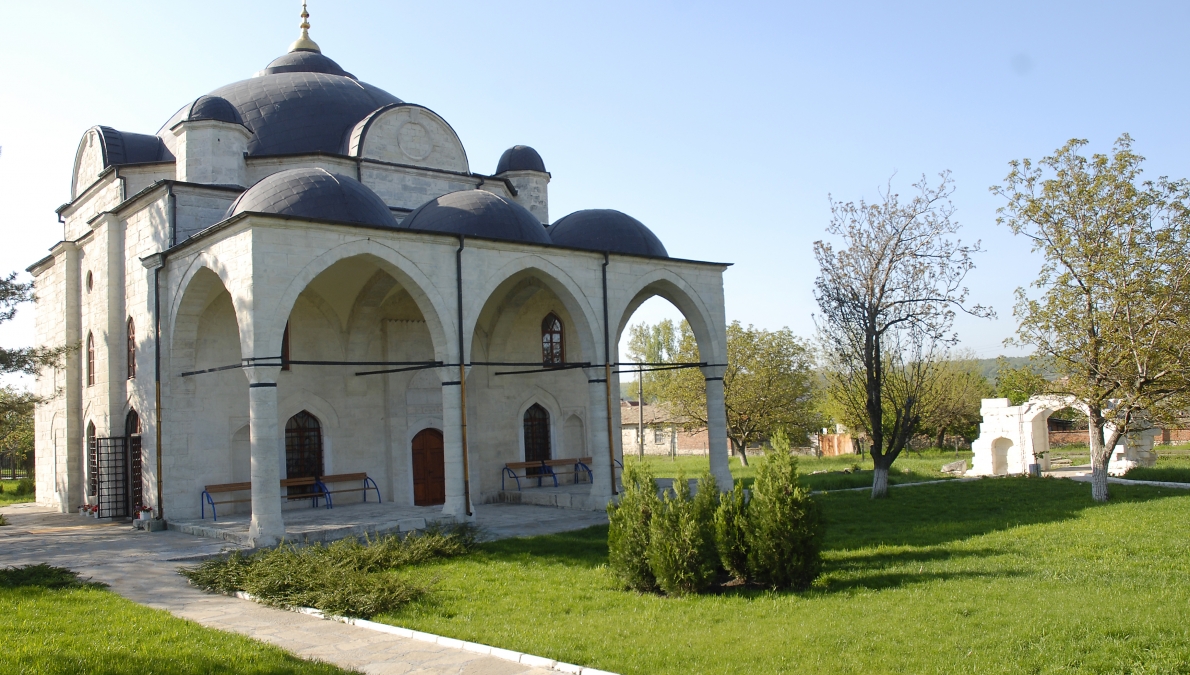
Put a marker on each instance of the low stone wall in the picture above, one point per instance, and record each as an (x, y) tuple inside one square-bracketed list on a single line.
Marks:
[(1079, 437)]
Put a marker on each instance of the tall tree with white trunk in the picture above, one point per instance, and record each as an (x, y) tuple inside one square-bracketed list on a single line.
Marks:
[(1111, 303), (887, 299)]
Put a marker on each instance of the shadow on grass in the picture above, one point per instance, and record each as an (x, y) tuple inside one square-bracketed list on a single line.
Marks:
[(937, 514), (579, 548)]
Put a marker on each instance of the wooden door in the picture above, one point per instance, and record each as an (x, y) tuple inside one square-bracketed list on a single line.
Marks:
[(429, 469)]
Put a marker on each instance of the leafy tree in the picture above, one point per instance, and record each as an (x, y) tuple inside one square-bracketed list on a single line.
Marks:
[(956, 396), (1018, 384), (887, 300), (653, 344), (768, 385), (16, 423), (1111, 311)]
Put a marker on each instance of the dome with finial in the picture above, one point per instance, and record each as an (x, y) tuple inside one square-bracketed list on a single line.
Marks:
[(302, 102)]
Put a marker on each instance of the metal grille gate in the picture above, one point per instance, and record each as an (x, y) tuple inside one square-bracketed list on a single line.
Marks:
[(112, 480)]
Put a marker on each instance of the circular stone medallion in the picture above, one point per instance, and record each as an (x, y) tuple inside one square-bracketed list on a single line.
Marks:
[(414, 141)]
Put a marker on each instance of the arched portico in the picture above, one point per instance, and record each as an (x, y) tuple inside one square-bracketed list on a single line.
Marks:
[(710, 334)]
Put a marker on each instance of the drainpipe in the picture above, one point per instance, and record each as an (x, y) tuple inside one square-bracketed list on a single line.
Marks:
[(462, 375), (607, 374), (157, 380)]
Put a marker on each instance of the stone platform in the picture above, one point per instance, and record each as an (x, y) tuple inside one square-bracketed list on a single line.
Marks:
[(307, 526), (563, 497)]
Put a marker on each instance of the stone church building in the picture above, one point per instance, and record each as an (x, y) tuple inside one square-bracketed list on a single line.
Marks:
[(300, 274)]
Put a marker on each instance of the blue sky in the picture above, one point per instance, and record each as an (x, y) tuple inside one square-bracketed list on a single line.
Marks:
[(723, 127)]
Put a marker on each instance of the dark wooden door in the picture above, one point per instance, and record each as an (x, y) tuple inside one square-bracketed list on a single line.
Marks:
[(429, 468)]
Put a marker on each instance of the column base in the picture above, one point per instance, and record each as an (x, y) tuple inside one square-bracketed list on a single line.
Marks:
[(265, 534)]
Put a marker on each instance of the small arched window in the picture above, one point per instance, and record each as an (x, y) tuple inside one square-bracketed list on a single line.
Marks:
[(131, 349), (553, 350), (90, 359), (92, 461)]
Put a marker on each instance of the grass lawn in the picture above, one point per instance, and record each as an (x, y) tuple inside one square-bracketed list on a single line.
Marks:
[(909, 468), (996, 576), (53, 625), (9, 495)]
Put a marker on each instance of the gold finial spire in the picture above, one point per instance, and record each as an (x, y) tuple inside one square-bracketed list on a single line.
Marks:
[(304, 43)]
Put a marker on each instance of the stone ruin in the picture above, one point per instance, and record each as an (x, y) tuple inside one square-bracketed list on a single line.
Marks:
[(1014, 440)]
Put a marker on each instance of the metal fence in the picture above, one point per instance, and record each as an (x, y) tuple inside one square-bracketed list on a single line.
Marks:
[(14, 466)]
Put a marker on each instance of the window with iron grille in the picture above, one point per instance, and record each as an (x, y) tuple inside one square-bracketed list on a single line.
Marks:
[(553, 350), (92, 461), (131, 349), (303, 448), (537, 433), (285, 348), (90, 359)]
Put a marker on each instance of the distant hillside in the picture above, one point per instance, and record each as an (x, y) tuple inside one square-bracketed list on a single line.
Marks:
[(988, 367)]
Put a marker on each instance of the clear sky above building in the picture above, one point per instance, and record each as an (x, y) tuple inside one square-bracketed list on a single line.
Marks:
[(723, 127)]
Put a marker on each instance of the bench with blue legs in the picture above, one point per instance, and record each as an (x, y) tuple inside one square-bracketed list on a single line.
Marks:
[(316, 491), (548, 469), (365, 484)]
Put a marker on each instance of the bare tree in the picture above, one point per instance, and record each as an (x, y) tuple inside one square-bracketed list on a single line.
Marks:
[(888, 299), (1112, 313)]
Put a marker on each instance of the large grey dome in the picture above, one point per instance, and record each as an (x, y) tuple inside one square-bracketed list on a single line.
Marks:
[(303, 102), (315, 193), (478, 213), (520, 158), (607, 230)]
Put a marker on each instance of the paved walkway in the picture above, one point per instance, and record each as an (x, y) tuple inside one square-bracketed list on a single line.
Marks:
[(142, 567)]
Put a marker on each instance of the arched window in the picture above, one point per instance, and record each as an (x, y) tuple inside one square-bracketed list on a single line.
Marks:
[(90, 359), (131, 349), (537, 433), (553, 351), (303, 447), (92, 462), (132, 432)]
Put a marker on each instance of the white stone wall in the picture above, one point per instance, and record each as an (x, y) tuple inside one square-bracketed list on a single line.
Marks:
[(409, 134), (211, 152), (532, 192)]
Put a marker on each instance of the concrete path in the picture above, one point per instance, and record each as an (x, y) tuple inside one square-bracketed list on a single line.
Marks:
[(142, 567)]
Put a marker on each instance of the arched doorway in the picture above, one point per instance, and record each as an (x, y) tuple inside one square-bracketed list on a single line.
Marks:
[(132, 431), (303, 449), (429, 468), (537, 433), (1000, 448)]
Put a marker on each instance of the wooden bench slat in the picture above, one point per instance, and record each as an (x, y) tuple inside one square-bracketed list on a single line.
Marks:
[(344, 477), (228, 487)]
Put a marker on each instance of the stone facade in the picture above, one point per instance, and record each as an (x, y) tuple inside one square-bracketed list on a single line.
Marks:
[(151, 245)]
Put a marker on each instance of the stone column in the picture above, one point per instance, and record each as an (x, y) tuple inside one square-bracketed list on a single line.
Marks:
[(717, 427), (601, 466), (452, 449), (268, 527)]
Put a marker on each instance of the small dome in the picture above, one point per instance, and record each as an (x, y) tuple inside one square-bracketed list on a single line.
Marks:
[(213, 108), (315, 193), (478, 213), (520, 158), (304, 62), (606, 230)]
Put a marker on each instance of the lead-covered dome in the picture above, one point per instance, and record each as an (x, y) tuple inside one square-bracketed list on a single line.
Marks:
[(212, 108), (302, 102), (520, 158), (478, 213), (315, 193), (606, 230)]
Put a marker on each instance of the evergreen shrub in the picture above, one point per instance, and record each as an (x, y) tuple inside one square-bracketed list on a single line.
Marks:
[(628, 528), (785, 527), (681, 551), (25, 487), (731, 522)]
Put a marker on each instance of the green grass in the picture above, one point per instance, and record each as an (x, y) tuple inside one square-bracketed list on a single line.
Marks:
[(909, 468), (9, 496), (996, 576), (53, 623)]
